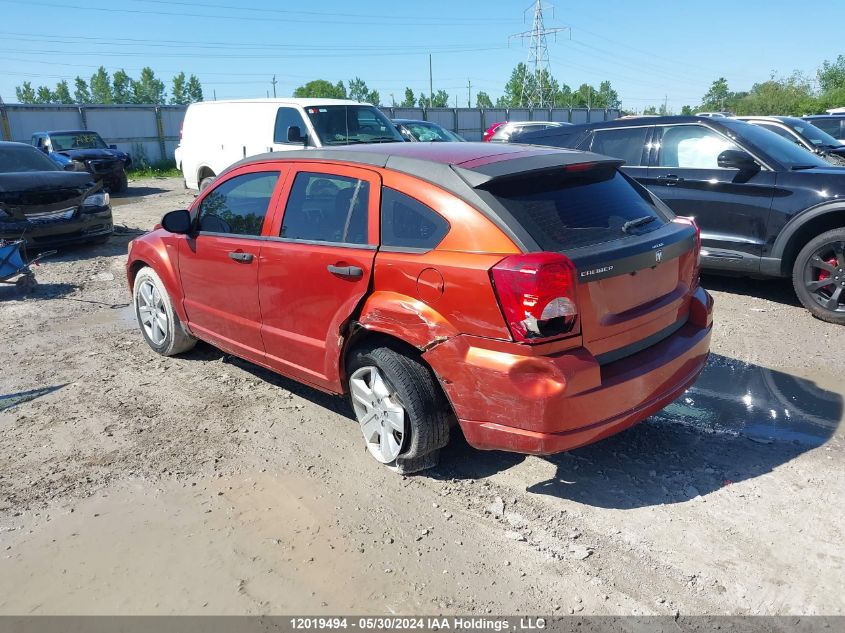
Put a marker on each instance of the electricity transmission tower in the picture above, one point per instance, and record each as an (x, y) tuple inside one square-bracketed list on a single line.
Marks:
[(536, 85)]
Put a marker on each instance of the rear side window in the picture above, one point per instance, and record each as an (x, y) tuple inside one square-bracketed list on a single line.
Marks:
[(623, 143), (238, 205), (407, 223), (831, 126), (327, 208), (565, 210)]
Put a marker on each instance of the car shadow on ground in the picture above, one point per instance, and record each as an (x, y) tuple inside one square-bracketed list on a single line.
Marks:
[(205, 353), (137, 191), (777, 290), (41, 292), (739, 421)]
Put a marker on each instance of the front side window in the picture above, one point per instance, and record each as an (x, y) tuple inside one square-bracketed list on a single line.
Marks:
[(350, 124), (623, 143), (238, 206), (407, 223), (285, 118), (327, 208), (692, 147)]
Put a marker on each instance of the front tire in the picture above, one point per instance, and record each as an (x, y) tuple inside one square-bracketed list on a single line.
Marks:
[(158, 321), (403, 414), (205, 182), (121, 183), (818, 276)]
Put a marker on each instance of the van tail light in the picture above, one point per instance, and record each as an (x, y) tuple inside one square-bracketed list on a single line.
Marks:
[(536, 292), (491, 131), (689, 221)]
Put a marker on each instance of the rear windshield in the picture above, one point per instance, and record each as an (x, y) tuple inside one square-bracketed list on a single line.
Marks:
[(18, 158), (567, 210)]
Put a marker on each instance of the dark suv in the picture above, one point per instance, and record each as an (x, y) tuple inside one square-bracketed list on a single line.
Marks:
[(765, 206), (833, 124), (84, 150)]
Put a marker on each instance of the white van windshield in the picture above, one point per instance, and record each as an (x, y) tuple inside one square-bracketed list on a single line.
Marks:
[(346, 124)]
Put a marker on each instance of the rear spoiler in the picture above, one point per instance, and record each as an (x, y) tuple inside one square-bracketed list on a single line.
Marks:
[(479, 177)]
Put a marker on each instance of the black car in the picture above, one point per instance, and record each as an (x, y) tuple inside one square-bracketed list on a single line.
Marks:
[(87, 151), (765, 206), (425, 131), (833, 124), (48, 206), (802, 133)]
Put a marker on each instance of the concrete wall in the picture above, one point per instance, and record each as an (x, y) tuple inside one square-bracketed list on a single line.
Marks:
[(154, 130)]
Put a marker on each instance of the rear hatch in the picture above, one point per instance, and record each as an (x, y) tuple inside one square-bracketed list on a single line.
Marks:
[(635, 264)]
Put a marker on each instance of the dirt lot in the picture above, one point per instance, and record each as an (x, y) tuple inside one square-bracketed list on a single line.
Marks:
[(202, 484)]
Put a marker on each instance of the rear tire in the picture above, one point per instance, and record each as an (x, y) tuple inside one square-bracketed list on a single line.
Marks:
[(407, 404), (818, 276), (158, 321)]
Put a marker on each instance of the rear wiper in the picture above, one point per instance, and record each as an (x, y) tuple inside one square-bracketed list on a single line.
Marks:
[(631, 224)]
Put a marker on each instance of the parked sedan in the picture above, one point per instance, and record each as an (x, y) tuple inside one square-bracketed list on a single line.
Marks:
[(541, 299), (802, 133), (766, 207), (85, 150), (501, 132), (45, 205), (414, 130)]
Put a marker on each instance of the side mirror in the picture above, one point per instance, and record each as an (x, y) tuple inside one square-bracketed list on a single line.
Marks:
[(737, 159), (295, 135), (178, 222), (112, 146)]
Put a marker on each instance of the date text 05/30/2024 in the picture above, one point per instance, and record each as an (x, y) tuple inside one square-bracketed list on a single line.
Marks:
[(420, 623)]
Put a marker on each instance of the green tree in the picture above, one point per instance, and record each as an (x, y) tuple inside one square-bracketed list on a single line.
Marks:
[(121, 87), (148, 88), (831, 75), (101, 87), (563, 98), (789, 95), (80, 91), (43, 95), (62, 93), (483, 100), (650, 110), (194, 89), (687, 110), (25, 93), (514, 96), (179, 93), (606, 97), (439, 99), (410, 100), (321, 89), (584, 97), (359, 92), (718, 96)]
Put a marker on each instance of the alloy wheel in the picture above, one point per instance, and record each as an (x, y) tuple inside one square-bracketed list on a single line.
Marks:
[(152, 313), (379, 412), (824, 276)]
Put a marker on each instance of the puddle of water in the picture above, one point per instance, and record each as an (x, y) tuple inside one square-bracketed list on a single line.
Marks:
[(10, 400), (763, 404)]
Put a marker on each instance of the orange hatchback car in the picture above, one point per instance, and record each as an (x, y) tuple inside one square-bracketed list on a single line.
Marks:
[(538, 298)]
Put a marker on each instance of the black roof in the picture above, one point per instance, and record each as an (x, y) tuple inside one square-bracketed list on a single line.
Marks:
[(416, 121), (460, 168), (67, 132)]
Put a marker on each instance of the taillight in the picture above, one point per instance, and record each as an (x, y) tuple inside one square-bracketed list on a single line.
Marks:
[(536, 292), (491, 131), (691, 222)]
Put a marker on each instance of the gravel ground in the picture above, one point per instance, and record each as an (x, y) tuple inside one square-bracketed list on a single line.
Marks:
[(134, 483)]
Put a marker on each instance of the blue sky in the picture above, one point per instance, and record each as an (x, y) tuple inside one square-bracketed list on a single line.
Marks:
[(648, 49)]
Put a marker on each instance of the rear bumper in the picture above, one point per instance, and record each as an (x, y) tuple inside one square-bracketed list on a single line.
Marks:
[(507, 400)]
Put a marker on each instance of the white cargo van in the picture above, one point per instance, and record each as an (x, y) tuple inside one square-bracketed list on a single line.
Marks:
[(216, 134)]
